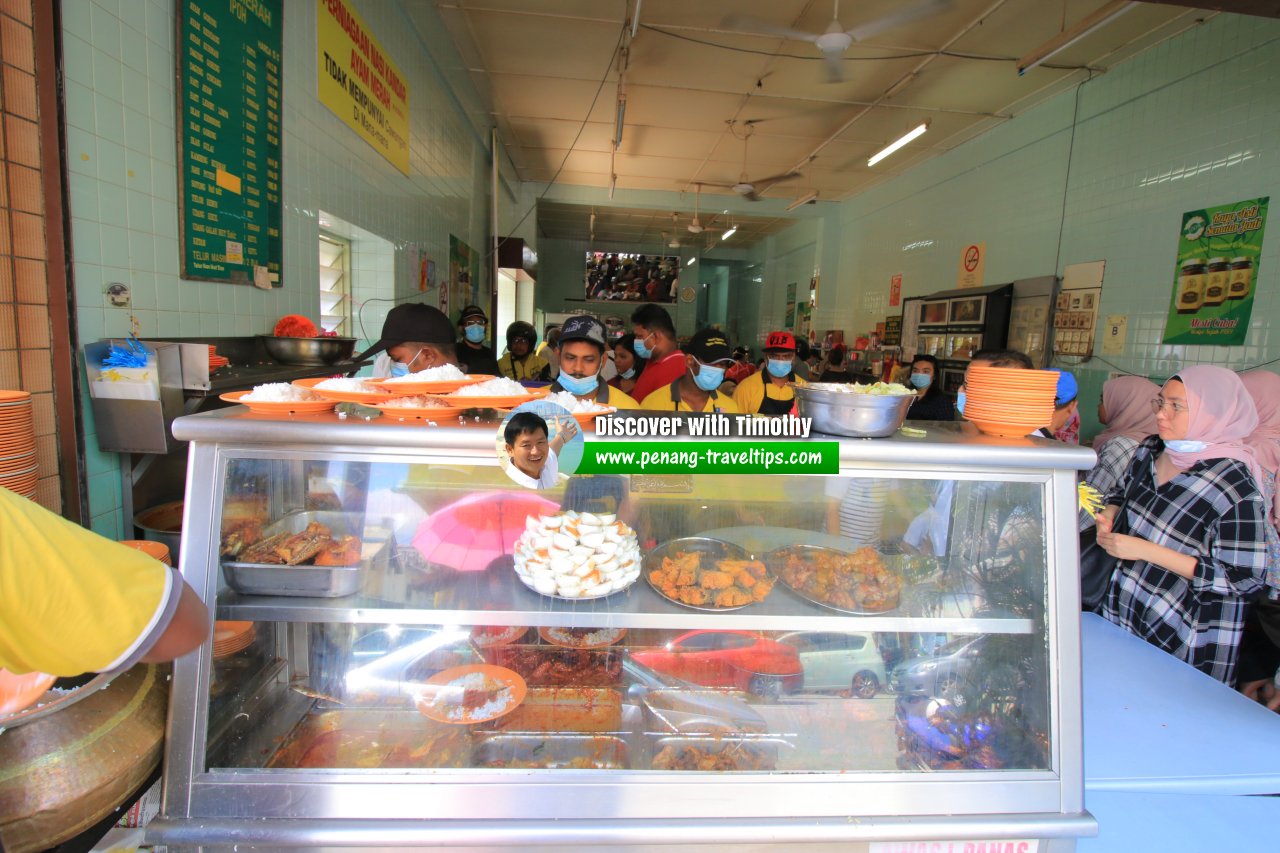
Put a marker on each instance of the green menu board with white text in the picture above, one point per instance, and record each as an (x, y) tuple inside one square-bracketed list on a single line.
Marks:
[(228, 129)]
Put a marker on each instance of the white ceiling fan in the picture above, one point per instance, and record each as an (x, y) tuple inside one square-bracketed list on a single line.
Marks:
[(748, 189), (836, 39), (696, 227)]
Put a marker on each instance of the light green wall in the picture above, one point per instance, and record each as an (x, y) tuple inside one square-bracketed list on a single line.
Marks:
[(1190, 123), (119, 77)]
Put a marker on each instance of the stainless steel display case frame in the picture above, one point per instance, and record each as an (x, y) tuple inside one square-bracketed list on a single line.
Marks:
[(612, 809)]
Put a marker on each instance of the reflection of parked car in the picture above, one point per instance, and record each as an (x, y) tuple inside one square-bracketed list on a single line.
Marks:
[(738, 659), (685, 708), (942, 674), (839, 661)]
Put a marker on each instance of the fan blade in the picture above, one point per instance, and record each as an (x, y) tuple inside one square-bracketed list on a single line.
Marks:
[(752, 195), (754, 26), (888, 22), (835, 73)]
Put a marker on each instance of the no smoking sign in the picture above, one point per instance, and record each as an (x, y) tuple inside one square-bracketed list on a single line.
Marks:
[(972, 262)]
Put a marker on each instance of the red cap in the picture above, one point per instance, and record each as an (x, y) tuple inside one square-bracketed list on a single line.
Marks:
[(780, 340)]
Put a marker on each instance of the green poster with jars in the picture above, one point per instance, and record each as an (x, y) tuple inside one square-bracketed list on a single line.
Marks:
[(1219, 251)]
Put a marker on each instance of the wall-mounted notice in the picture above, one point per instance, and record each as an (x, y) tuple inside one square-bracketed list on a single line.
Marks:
[(1219, 253), (973, 265), (359, 82), (228, 133)]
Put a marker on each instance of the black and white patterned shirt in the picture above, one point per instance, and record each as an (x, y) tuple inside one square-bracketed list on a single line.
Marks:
[(1213, 511)]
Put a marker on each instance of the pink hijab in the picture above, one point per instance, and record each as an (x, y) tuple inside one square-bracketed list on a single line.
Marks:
[(1127, 400), (1264, 387), (1222, 415)]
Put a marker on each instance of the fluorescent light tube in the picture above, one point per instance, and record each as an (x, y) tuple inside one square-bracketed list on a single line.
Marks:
[(729, 233), (691, 261), (911, 134)]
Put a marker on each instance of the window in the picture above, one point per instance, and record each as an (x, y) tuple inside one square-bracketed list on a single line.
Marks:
[(335, 289)]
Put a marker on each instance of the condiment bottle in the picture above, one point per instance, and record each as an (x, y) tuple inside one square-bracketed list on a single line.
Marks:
[(1241, 278), (1191, 284), (1215, 288)]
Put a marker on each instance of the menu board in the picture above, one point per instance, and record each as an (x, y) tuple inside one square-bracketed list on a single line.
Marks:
[(229, 211)]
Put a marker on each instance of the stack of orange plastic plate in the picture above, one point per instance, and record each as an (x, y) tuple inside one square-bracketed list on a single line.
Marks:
[(21, 691), (1009, 401), (159, 550), (18, 464), (215, 360), (231, 637)]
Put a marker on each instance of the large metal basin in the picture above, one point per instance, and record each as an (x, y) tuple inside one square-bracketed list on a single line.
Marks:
[(856, 415), (309, 351)]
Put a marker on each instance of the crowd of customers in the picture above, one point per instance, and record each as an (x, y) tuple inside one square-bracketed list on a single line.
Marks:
[(632, 278)]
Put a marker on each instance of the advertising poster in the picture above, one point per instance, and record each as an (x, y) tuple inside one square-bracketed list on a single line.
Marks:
[(462, 273), (1219, 252), (357, 80), (895, 290)]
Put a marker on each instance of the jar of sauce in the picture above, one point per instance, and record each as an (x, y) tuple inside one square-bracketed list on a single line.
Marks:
[(1241, 279), (1215, 288), (1191, 283)]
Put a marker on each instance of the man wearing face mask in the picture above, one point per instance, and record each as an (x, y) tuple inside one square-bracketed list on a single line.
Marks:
[(695, 390), (472, 353), (656, 343), (770, 391), (520, 361), (415, 337), (581, 355)]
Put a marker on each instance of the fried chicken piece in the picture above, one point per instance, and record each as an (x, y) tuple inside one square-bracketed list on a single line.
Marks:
[(264, 551), (303, 546), (716, 580), (732, 597), (761, 590), (692, 595), (340, 552)]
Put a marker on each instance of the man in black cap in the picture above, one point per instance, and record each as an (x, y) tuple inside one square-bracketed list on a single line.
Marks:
[(415, 337), (705, 360), (474, 356), (581, 355)]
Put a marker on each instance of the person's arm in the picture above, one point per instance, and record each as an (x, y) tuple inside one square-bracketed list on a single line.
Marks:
[(186, 630)]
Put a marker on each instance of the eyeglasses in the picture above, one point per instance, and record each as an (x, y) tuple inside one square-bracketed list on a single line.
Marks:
[(1158, 403)]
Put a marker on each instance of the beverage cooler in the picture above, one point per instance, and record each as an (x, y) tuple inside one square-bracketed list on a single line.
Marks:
[(954, 324)]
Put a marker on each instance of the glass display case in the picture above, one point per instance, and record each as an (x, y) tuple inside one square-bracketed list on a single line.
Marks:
[(410, 649)]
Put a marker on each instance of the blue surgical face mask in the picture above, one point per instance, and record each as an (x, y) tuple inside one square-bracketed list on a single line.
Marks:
[(399, 369), (960, 402), (921, 380), (628, 373), (778, 367), (641, 349), (579, 387), (1183, 445), (708, 378), (474, 333)]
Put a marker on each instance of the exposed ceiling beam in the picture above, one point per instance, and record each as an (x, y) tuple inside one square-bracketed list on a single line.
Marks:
[(1259, 8)]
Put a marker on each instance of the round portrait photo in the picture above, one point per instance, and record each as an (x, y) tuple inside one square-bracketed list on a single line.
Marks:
[(539, 444)]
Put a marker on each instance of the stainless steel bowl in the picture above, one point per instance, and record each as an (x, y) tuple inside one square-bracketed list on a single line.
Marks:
[(308, 351), (856, 415)]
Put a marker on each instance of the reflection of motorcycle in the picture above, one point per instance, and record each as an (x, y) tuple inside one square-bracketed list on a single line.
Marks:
[(937, 736)]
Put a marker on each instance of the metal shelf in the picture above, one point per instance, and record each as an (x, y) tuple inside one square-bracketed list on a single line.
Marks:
[(497, 597)]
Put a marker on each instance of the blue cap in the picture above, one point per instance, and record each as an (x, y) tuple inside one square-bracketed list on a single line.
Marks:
[(1068, 390)]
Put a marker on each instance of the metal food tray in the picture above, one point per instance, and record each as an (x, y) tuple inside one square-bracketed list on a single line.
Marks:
[(311, 581), (759, 754), (776, 561), (552, 752), (372, 739), (714, 549), (570, 710), (557, 666)]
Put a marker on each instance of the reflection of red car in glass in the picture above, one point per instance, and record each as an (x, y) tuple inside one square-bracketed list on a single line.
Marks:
[(737, 659)]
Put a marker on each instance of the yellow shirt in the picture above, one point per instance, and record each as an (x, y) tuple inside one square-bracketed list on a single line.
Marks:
[(660, 401), (70, 600), (528, 369), (751, 392), (621, 400)]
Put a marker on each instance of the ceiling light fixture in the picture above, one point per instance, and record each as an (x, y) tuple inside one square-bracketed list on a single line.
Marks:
[(893, 146), (1068, 37), (812, 195), (733, 229), (693, 260)]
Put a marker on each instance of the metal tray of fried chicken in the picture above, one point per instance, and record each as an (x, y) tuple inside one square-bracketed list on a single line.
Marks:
[(551, 752), (316, 553), (718, 754)]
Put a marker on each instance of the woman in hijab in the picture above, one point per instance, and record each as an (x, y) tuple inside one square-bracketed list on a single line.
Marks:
[(1186, 525), (1260, 652), (1125, 409)]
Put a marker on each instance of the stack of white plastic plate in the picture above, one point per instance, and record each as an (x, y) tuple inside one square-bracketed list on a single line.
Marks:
[(18, 465), (862, 510)]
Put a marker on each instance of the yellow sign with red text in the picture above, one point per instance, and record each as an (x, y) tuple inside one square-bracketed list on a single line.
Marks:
[(359, 82)]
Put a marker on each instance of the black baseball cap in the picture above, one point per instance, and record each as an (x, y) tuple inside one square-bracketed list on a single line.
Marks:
[(583, 327), (471, 312), (709, 346), (413, 321)]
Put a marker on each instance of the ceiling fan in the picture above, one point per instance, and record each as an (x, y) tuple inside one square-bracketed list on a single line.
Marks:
[(748, 189), (696, 227), (836, 39)]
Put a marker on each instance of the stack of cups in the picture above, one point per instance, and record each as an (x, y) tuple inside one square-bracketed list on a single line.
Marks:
[(1009, 401), (18, 464)]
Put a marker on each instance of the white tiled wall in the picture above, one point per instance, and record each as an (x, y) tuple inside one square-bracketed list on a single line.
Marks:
[(1192, 123), (119, 70)]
